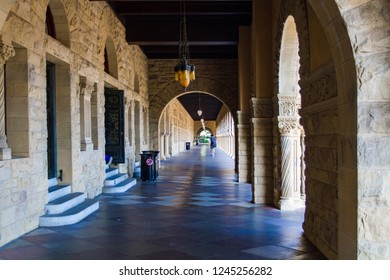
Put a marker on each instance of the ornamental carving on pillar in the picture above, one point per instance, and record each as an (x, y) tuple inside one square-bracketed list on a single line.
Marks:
[(127, 103), (6, 52), (86, 88), (289, 126), (289, 105)]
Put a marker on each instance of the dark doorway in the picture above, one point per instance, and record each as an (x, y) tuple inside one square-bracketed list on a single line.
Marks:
[(114, 125), (51, 120)]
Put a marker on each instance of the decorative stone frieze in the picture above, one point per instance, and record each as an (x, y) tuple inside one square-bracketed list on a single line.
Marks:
[(319, 89)]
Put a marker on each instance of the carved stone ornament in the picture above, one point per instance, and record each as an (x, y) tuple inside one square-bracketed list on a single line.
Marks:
[(86, 88), (6, 52), (289, 127), (289, 105)]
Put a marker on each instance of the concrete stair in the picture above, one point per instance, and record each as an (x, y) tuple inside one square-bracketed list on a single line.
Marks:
[(65, 207), (116, 182)]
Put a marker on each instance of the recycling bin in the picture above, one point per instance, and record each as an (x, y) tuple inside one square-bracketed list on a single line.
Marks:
[(149, 165)]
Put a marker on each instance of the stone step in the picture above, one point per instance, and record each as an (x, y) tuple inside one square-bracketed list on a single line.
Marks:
[(58, 191), (115, 179), (120, 187), (111, 172), (64, 203), (71, 216)]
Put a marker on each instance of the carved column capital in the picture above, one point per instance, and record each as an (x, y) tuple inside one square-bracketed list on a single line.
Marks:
[(6, 52), (289, 105), (86, 88), (289, 126)]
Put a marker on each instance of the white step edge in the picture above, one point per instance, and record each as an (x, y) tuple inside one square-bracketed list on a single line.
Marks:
[(111, 172), (121, 187), (68, 219), (61, 191), (116, 179), (64, 203)]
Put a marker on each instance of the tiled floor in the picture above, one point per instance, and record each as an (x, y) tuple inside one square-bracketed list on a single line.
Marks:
[(194, 210)]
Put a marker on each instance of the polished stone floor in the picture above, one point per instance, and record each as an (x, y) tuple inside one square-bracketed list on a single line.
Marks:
[(194, 210)]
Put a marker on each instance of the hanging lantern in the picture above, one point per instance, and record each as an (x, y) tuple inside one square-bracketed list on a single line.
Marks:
[(184, 71)]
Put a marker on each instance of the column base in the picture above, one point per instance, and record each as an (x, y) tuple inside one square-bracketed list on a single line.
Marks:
[(5, 153), (289, 204)]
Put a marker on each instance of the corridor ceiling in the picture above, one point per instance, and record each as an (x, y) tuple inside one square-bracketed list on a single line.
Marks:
[(210, 105), (212, 27)]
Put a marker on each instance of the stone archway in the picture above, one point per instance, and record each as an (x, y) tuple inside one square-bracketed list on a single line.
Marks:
[(172, 91), (322, 89), (290, 129), (358, 77)]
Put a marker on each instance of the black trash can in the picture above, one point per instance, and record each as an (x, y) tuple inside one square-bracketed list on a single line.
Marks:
[(188, 145), (149, 165)]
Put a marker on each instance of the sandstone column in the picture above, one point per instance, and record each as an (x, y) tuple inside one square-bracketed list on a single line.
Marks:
[(6, 52), (291, 153), (162, 146), (303, 167), (86, 89), (243, 115), (261, 153), (166, 142), (126, 122)]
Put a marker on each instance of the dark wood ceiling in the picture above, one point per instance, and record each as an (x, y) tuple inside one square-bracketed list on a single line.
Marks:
[(212, 28), (209, 105)]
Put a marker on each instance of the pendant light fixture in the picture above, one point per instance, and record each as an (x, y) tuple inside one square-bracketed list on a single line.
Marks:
[(199, 110), (184, 70)]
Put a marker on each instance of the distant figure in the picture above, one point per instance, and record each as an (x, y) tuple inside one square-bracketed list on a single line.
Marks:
[(213, 144)]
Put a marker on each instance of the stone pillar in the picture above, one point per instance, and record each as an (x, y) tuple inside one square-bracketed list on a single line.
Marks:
[(244, 147), (6, 52), (126, 122), (132, 124), (262, 142), (303, 167), (86, 89), (166, 142), (162, 146), (290, 142), (243, 156), (291, 153)]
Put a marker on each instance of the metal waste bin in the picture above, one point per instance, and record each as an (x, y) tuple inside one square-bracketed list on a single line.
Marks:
[(188, 145), (149, 165)]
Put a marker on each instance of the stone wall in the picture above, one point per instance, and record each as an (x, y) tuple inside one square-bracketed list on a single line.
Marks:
[(320, 121), (84, 30)]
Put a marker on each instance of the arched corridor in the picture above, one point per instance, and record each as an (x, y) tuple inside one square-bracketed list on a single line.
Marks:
[(195, 210), (302, 114)]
